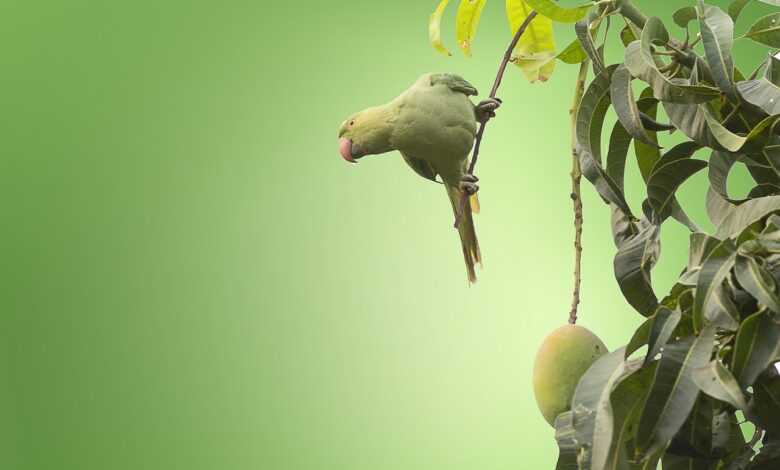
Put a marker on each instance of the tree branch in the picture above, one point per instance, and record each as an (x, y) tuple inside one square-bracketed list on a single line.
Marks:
[(576, 196)]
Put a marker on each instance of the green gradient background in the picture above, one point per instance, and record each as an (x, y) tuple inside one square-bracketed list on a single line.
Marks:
[(193, 279)]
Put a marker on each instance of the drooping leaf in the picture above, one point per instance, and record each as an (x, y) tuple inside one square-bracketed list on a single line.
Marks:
[(535, 51), (594, 418), (573, 53), (718, 382), (625, 105), (627, 35), (664, 323), (640, 61), (717, 207), (711, 304), (766, 30), (757, 347), (664, 182), (717, 32), (567, 445), (761, 93), (684, 15), (590, 119), (466, 23), (735, 8), (557, 13), (765, 407), (434, 28), (633, 263), (720, 165), (693, 441), (619, 142), (585, 38), (673, 392), (757, 281), (640, 338), (738, 218), (647, 156)]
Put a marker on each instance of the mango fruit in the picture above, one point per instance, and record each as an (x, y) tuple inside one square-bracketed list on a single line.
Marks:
[(564, 356)]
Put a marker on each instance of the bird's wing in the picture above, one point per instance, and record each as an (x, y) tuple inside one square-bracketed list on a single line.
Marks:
[(421, 167), (455, 83)]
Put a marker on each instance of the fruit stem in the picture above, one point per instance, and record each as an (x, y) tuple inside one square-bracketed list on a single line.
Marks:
[(576, 196)]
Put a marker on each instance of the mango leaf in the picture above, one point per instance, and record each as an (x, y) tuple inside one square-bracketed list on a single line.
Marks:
[(640, 338), (701, 245), (766, 30), (717, 32), (434, 28), (572, 54), (718, 382), (673, 393), (627, 400), (664, 182), (765, 407), (664, 323), (633, 262), (567, 446), (684, 15), (590, 119), (738, 218), (717, 207), (757, 281), (625, 106), (466, 22), (647, 156), (585, 38), (694, 439), (721, 163), (640, 61), (711, 304), (757, 347), (535, 51), (593, 419), (619, 142), (557, 13), (735, 8), (761, 93), (768, 457), (627, 35)]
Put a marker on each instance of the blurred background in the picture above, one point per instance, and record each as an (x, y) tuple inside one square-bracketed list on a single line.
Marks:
[(193, 278)]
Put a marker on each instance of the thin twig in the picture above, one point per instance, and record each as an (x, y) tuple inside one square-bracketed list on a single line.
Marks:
[(576, 196), (497, 83)]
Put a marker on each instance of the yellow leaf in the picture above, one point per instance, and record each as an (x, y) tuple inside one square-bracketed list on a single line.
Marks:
[(535, 52), (434, 28), (469, 12)]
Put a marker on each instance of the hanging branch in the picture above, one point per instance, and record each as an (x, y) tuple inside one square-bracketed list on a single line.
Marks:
[(497, 83), (576, 197)]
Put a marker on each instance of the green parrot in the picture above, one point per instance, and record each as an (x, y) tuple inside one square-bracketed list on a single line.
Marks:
[(433, 125)]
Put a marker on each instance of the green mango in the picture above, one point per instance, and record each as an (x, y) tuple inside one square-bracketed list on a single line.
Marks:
[(564, 356)]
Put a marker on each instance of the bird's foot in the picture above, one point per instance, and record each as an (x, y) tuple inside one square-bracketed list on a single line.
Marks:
[(486, 109), (468, 184)]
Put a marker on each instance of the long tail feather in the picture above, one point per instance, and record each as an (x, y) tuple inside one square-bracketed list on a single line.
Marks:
[(468, 235)]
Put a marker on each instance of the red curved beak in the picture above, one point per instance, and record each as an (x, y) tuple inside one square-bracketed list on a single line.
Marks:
[(345, 149)]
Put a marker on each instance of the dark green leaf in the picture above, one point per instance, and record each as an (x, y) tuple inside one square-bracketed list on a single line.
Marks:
[(721, 163), (718, 382), (625, 106), (673, 392), (619, 142), (765, 406), (757, 281), (664, 323), (768, 457), (647, 155), (766, 30), (684, 15), (757, 347), (717, 33), (717, 207), (738, 218), (711, 304), (761, 93), (582, 29), (633, 262), (593, 420), (572, 54), (640, 338), (627, 36), (665, 181), (735, 8)]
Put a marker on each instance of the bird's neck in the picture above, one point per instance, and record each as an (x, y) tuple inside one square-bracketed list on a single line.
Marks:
[(380, 120)]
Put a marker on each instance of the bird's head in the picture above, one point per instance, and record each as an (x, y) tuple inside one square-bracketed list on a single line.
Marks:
[(365, 133)]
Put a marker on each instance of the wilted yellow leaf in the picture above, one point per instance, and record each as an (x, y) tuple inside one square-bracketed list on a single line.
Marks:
[(469, 12), (535, 52), (434, 28)]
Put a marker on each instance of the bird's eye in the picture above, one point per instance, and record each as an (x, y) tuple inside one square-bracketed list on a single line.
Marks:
[(352, 123)]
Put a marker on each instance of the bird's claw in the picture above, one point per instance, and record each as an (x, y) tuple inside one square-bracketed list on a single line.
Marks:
[(468, 184), (486, 109)]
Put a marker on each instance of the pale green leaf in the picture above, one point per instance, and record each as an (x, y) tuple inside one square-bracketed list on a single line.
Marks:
[(766, 30), (434, 28), (466, 23), (558, 13), (535, 51), (718, 382)]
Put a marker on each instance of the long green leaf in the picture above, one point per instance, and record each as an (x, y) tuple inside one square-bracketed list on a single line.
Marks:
[(761, 93), (684, 15), (738, 218), (717, 32), (664, 323), (585, 38), (434, 28), (633, 263), (466, 23), (557, 13), (673, 392), (757, 281), (711, 303), (590, 119), (718, 382), (665, 181), (619, 142), (572, 54), (593, 422), (765, 407), (735, 8), (640, 338), (766, 30), (757, 347), (625, 105)]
